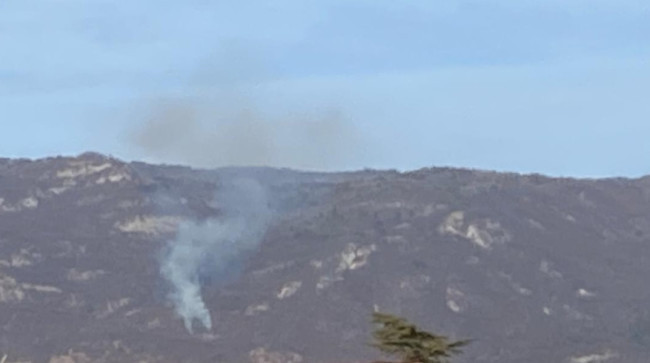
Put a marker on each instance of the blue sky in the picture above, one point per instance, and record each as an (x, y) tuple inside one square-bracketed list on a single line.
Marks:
[(553, 86)]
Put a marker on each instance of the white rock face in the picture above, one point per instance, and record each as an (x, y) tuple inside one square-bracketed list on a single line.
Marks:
[(253, 310), (456, 300), (326, 281), (415, 282), (273, 268), (289, 289), (58, 190), (484, 233), (21, 259), (151, 225), (10, 291), (595, 358), (78, 169), (79, 276), (71, 357), (42, 288), (115, 177), (585, 293), (453, 224), (453, 306), (92, 172), (261, 355), (113, 306), (352, 257), (30, 202)]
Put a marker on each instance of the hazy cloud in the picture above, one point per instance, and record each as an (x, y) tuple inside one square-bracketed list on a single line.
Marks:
[(204, 136)]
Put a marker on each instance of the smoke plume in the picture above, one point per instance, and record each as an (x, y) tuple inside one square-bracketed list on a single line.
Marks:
[(217, 122), (208, 248)]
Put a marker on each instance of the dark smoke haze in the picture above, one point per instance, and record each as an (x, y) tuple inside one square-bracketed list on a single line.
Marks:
[(217, 123), (183, 132)]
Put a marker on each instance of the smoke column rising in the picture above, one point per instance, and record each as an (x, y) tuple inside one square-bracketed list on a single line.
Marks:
[(217, 122), (210, 247)]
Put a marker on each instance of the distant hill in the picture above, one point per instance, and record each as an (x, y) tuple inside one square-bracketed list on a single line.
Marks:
[(534, 269)]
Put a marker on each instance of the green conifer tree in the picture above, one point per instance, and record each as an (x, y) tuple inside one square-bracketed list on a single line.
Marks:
[(397, 337)]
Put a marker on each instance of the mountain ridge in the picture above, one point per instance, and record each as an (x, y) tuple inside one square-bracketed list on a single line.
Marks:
[(520, 262)]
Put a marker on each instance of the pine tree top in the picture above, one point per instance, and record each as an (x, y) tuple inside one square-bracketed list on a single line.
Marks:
[(397, 337)]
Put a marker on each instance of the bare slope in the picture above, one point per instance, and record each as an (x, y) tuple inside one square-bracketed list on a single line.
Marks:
[(535, 269)]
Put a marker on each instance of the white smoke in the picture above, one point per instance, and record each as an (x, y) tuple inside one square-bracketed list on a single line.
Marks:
[(218, 122), (209, 248)]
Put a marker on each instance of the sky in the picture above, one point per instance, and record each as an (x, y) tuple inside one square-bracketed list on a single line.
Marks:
[(559, 87)]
